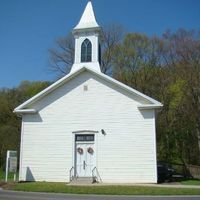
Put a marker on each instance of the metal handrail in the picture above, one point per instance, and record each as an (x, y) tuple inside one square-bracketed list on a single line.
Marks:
[(71, 174), (96, 178)]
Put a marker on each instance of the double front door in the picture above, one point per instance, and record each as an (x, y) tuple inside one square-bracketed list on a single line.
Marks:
[(85, 158)]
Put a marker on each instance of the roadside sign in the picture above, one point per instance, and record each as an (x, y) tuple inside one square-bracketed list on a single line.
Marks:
[(13, 164)]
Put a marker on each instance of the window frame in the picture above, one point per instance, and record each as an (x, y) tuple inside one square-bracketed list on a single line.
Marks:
[(85, 137), (86, 51)]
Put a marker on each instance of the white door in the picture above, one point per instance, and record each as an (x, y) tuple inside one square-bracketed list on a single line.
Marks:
[(85, 155)]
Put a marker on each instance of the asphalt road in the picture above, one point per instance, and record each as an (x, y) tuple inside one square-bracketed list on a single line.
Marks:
[(10, 195)]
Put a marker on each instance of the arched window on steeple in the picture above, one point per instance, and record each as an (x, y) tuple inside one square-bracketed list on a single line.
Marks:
[(86, 51)]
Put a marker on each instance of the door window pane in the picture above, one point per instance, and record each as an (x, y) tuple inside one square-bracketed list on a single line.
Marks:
[(84, 138)]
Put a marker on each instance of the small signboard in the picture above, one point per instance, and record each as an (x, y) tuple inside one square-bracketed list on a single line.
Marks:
[(11, 163)]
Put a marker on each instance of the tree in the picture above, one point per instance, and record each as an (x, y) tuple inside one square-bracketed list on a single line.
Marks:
[(62, 57), (10, 123), (136, 59), (167, 69), (184, 58)]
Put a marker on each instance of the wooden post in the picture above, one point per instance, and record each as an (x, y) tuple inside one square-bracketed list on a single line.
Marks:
[(15, 177), (7, 162)]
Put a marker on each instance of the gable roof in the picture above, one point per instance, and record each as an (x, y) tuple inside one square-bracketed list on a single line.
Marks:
[(23, 108)]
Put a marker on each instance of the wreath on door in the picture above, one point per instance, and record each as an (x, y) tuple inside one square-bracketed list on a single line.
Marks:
[(80, 150), (90, 150)]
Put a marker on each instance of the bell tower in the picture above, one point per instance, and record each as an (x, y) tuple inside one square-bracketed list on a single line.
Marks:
[(87, 48)]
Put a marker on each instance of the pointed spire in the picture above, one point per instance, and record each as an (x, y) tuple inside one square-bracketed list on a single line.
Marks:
[(88, 18)]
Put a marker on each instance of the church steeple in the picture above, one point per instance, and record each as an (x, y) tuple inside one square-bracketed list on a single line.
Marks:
[(86, 35), (88, 19)]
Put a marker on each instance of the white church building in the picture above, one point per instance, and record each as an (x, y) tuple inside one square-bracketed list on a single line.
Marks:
[(87, 124)]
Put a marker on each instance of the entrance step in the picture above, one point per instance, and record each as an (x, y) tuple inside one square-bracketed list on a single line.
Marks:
[(82, 181)]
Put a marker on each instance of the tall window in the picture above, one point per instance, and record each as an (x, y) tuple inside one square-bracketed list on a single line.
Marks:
[(86, 51)]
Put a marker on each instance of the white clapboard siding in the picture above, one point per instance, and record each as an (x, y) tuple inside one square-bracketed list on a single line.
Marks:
[(126, 154)]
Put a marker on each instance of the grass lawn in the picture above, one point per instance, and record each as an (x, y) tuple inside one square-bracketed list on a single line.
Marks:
[(191, 182), (10, 176), (97, 189), (100, 190)]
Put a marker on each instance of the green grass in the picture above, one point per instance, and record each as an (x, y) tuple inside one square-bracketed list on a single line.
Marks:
[(101, 190), (10, 176), (191, 182), (97, 189), (1, 174)]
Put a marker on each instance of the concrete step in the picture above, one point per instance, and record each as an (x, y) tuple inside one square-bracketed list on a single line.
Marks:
[(82, 181)]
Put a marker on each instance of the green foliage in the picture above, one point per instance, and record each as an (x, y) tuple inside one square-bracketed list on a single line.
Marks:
[(10, 123), (167, 69), (176, 92), (191, 182), (10, 176), (102, 190)]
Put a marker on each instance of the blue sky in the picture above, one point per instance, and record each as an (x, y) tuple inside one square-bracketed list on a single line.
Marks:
[(28, 28)]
